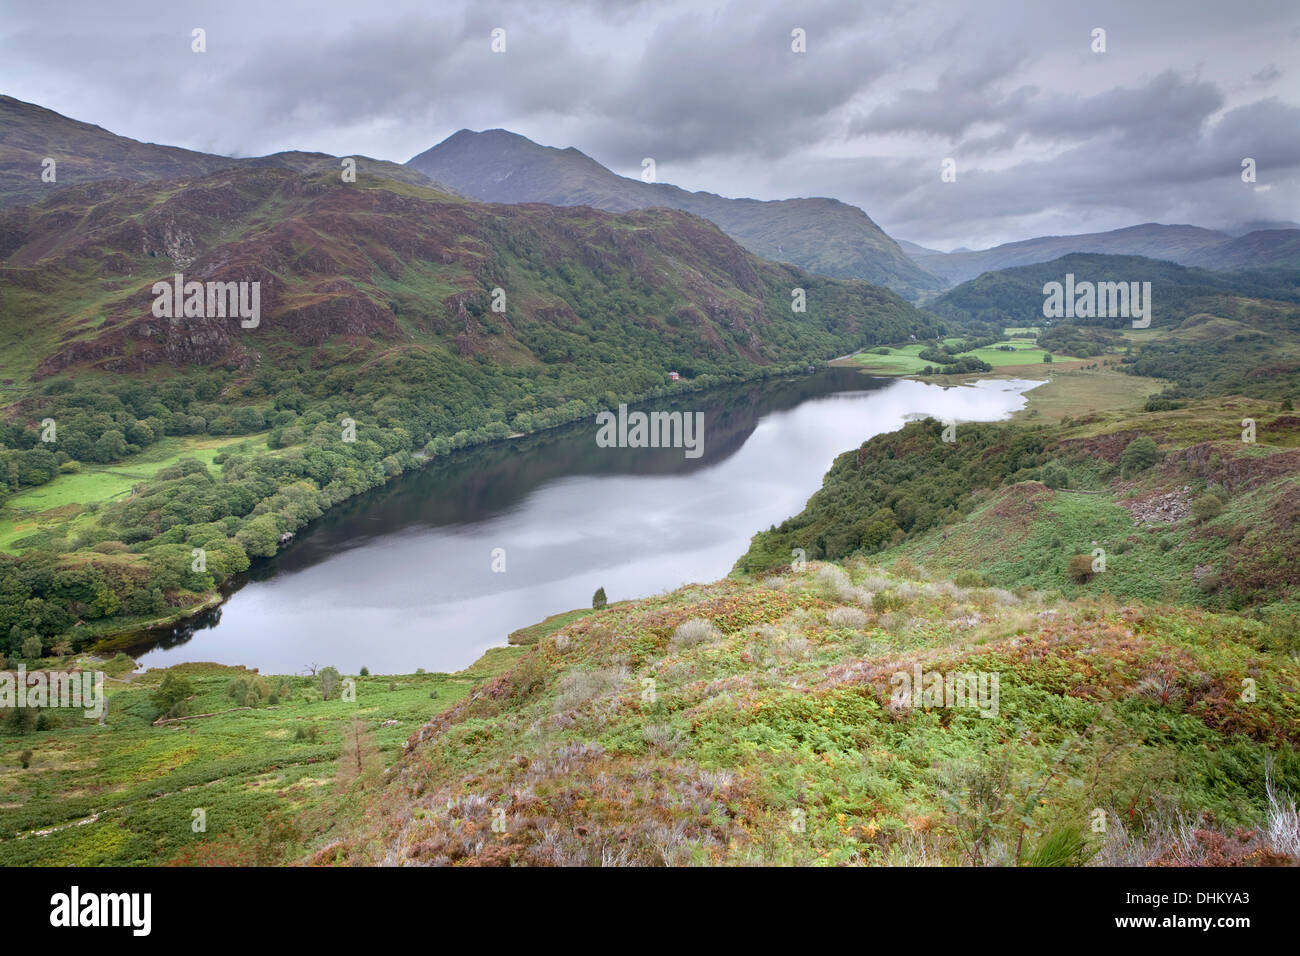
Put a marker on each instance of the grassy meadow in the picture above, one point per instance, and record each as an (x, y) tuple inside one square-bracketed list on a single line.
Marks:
[(1015, 350)]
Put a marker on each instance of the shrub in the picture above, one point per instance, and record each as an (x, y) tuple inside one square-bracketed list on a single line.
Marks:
[(1206, 507), (172, 694), (693, 632), (832, 579), (792, 647), (1156, 404), (365, 672), (20, 719), (662, 737), (598, 600), (846, 617), (1054, 476), (970, 579), (25, 758), (579, 686), (237, 690), (1139, 455), (907, 568), (883, 601), (1080, 568), (246, 691)]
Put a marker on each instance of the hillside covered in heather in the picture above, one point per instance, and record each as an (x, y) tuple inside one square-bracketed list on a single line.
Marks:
[(756, 722)]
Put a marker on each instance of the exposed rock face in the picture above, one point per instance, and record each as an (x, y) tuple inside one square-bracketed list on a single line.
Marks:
[(1225, 465), (1107, 447)]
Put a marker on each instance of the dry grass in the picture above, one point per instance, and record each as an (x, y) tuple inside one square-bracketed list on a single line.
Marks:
[(693, 633)]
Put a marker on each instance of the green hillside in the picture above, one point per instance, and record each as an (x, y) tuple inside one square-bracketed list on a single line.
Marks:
[(1207, 520)]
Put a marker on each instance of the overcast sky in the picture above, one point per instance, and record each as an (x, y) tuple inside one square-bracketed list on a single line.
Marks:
[(1048, 136)]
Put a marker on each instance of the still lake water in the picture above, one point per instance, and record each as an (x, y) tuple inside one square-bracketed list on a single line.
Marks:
[(402, 578)]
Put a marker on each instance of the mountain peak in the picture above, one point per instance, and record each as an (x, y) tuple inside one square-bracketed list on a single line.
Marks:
[(820, 234)]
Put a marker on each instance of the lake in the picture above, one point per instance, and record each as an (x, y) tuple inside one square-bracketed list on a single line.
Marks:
[(403, 577)]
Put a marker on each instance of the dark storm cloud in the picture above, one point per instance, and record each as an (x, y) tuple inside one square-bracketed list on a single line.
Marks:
[(1048, 136)]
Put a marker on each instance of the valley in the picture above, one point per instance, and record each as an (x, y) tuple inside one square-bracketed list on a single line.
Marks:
[(383, 567)]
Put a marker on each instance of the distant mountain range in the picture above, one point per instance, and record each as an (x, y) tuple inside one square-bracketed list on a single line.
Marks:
[(822, 235), (1015, 295), (1273, 244)]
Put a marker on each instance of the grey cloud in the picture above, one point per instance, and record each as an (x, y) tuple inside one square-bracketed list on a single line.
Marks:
[(1267, 75), (1048, 137)]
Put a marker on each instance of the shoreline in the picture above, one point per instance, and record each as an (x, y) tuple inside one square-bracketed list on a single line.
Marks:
[(111, 639)]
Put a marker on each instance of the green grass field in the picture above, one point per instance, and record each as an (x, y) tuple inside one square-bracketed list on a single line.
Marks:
[(899, 361), (906, 359), (1024, 354)]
